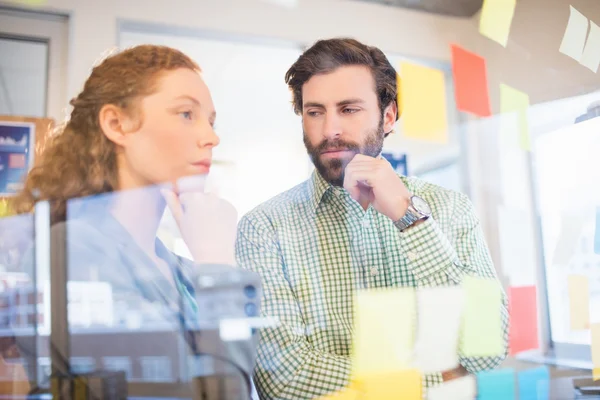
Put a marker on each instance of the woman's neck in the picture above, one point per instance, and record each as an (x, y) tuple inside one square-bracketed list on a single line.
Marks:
[(139, 210)]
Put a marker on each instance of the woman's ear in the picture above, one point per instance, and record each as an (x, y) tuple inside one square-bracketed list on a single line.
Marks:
[(115, 123)]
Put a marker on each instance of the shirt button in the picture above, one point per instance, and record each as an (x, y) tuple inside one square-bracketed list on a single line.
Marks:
[(365, 223), (374, 271), (413, 256)]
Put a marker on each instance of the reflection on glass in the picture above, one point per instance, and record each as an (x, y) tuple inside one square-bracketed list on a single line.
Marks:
[(568, 198)]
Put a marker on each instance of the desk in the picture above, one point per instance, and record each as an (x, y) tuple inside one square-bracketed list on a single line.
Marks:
[(562, 389)]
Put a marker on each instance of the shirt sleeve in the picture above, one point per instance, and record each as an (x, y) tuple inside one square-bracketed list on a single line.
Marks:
[(443, 256), (288, 366)]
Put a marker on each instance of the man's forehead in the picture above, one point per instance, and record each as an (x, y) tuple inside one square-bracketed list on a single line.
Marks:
[(348, 82)]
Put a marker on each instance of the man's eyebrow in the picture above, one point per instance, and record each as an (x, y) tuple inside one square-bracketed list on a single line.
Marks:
[(349, 101), (314, 104), (338, 104)]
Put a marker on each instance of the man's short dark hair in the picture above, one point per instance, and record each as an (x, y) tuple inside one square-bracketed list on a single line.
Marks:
[(326, 56)]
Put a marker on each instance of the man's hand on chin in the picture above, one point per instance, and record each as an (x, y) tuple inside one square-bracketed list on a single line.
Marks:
[(374, 180)]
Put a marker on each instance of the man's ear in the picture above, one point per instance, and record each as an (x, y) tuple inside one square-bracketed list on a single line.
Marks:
[(389, 117), (115, 123)]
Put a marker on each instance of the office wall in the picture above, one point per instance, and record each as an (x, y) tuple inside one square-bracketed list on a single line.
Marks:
[(93, 24), (531, 63)]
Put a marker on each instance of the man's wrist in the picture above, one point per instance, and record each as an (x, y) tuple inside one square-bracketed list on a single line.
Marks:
[(455, 373)]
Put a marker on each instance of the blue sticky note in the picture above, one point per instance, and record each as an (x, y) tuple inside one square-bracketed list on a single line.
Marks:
[(534, 384), (496, 385), (597, 232)]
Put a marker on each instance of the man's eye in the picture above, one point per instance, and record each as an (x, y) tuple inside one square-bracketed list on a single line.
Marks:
[(349, 110), (312, 113)]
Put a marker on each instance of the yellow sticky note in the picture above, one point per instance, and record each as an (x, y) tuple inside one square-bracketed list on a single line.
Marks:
[(423, 100), (496, 18), (404, 385), (579, 302), (515, 101), (595, 328), (575, 34), (348, 393), (482, 333), (384, 330)]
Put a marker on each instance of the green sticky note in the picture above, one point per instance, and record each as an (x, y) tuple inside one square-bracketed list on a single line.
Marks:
[(384, 331), (515, 101), (482, 333)]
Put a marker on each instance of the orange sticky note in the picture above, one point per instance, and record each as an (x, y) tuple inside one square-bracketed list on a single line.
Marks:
[(579, 302), (523, 328), (595, 328), (423, 99), (405, 385), (470, 82)]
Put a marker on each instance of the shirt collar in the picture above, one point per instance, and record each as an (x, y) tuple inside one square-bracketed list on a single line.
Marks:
[(320, 189), (319, 186)]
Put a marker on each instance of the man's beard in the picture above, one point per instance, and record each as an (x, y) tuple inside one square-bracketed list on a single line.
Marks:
[(332, 170)]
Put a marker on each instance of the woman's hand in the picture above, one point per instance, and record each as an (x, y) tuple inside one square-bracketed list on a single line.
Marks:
[(207, 223)]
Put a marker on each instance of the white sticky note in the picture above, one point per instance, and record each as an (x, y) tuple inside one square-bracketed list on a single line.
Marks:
[(566, 244), (438, 310), (579, 302), (591, 52), (517, 246), (233, 329), (464, 388), (574, 39)]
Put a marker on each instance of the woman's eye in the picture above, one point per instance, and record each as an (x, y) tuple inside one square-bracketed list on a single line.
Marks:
[(186, 114)]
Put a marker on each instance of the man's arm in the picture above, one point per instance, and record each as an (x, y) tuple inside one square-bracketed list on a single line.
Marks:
[(437, 258), (288, 367)]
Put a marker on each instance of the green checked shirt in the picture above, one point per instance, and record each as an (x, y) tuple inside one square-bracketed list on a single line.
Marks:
[(314, 247)]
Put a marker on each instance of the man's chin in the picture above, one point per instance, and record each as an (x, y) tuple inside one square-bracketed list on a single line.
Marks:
[(334, 177)]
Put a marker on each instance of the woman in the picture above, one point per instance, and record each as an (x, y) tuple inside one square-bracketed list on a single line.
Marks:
[(144, 118), (140, 135)]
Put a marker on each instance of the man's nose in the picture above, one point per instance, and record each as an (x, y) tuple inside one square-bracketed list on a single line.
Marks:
[(332, 128)]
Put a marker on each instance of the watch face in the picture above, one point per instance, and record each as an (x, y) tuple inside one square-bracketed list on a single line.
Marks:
[(421, 205)]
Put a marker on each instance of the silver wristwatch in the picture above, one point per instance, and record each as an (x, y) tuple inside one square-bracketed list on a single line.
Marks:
[(418, 209)]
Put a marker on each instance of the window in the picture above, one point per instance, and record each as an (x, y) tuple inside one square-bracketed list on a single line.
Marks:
[(440, 164), (23, 76), (256, 124), (200, 365), (118, 364), (81, 365), (33, 64), (567, 196), (156, 369)]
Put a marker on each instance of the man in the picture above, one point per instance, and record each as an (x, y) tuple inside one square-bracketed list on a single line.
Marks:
[(355, 224)]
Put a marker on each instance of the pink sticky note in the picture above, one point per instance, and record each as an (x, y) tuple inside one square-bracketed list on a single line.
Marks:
[(522, 308)]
